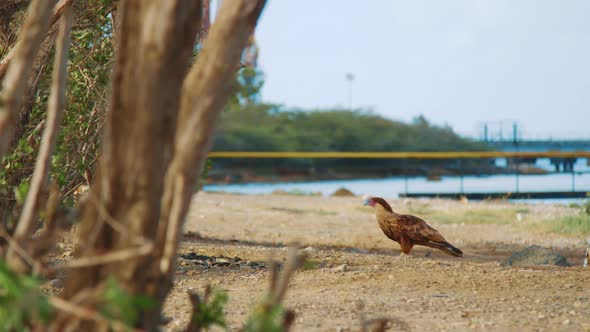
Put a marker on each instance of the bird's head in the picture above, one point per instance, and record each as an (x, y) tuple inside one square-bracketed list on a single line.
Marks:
[(373, 201), (368, 200)]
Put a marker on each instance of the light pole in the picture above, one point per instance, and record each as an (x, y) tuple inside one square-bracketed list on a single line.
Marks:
[(350, 79)]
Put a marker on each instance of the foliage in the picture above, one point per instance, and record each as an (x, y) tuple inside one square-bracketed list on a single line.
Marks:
[(265, 319), (575, 225), (249, 82), (211, 311), (78, 145), (91, 56), (21, 301), (118, 304), (267, 127)]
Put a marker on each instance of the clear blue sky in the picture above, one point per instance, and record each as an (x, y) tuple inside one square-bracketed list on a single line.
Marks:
[(457, 62)]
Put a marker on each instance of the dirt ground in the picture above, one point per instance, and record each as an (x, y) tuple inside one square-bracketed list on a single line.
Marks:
[(350, 262)]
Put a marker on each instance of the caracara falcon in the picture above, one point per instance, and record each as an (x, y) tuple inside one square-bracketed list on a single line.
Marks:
[(408, 230)]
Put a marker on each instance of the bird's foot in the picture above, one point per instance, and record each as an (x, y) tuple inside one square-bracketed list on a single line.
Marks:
[(405, 258)]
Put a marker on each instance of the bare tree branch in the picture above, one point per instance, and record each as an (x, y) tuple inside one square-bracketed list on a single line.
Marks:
[(54, 114), (111, 257), (294, 261), (59, 9), (34, 29), (204, 95), (88, 314), (18, 248), (57, 12)]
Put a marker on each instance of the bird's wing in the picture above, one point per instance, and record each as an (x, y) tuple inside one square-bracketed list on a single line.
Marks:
[(418, 230), (390, 227)]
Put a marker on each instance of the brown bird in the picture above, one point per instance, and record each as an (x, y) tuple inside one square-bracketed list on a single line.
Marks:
[(408, 230)]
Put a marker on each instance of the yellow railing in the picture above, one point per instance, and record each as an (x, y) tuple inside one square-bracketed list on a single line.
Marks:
[(404, 155)]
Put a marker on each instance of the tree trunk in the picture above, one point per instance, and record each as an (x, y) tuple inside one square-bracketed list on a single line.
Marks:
[(157, 139), (150, 66)]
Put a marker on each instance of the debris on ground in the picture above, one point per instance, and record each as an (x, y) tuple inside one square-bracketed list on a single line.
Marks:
[(536, 255)]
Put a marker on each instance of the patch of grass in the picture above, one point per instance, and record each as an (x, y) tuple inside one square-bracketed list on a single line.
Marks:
[(288, 210), (475, 217), (574, 205), (296, 192), (303, 211), (420, 209), (324, 212), (577, 225), (461, 216), (366, 209), (310, 265), (222, 192)]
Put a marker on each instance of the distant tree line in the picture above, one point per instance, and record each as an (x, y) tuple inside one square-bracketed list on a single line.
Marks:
[(267, 127)]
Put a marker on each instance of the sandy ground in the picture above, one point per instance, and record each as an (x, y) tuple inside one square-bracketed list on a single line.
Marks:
[(434, 292)]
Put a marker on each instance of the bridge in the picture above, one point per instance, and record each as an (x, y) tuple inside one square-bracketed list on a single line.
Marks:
[(507, 135), (564, 164), (541, 145), (563, 157)]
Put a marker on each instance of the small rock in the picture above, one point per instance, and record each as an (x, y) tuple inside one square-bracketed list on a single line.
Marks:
[(200, 262), (566, 322), (342, 192), (56, 283), (340, 268), (536, 255), (308, 249)]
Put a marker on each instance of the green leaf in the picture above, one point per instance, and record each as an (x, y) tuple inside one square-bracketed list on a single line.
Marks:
[(21, 301), (118, 304), (212, 312), (20, 192), (267, 320)]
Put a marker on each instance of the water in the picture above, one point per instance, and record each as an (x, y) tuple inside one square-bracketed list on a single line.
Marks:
[(393, 186)]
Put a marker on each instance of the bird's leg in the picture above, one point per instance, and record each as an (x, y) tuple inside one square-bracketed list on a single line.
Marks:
[(405, 258)]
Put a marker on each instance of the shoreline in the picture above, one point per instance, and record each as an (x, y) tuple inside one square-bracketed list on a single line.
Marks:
[(241, 176)]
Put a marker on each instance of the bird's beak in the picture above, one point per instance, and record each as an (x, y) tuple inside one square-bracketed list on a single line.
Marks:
[(366, 202)]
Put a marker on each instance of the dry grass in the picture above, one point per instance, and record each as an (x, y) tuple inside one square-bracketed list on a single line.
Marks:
[(576, 225), (477, 216), (303, 211)]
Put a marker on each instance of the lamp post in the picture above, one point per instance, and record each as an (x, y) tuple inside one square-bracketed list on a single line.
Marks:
[(350, 79)]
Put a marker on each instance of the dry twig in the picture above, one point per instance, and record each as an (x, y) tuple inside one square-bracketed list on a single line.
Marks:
[(379, 324), (587, 258), (111, 257), (294, 261), (87, 314)]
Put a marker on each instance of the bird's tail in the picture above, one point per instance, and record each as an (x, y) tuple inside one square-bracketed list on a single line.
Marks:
[(449, 249)]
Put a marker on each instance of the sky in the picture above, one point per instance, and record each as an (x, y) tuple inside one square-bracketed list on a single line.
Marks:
[(457, 62)]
